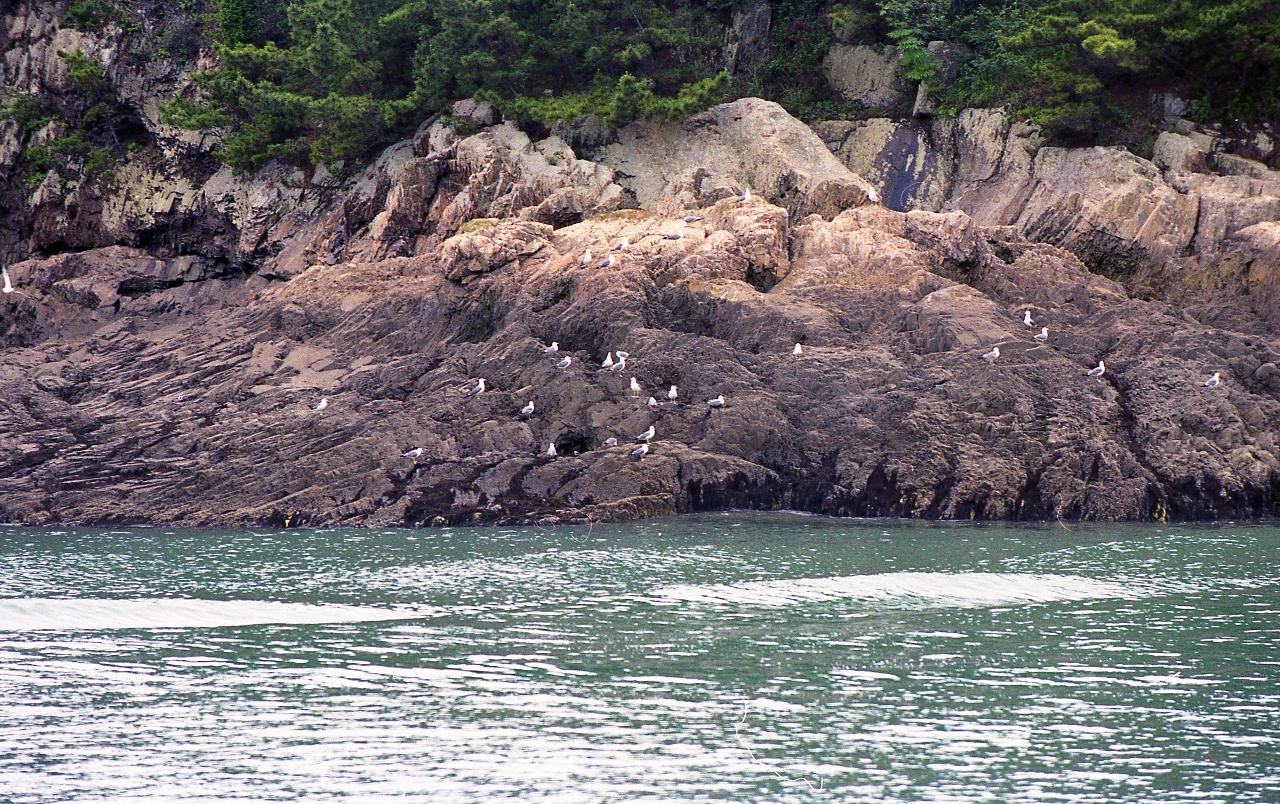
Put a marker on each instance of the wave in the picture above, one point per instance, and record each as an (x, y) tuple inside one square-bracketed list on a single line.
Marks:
[(903, 589), (50, 614)]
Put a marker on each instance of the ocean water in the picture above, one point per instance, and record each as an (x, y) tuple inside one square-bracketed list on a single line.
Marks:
[(736, 657)]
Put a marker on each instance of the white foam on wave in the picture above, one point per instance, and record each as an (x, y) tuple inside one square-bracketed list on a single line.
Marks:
[(56, 614), (902, 589)]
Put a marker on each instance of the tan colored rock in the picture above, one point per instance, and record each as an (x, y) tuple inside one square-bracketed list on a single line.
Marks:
[(861, 73)]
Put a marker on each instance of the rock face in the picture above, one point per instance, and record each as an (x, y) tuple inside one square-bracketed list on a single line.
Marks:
[(867, 75), (1178, 228), (151, 385)]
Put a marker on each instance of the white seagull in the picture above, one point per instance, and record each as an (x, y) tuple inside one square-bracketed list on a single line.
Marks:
[(416, 452), (653, 403), (872, 195), (622, 355), (622, 244), (647, 435), (640, 451), (479, 389), (673, 394), (324, 403), (1098, 370), (718, 402), (564, 362), (1212, 382), (673, 236), (635, 387), (608, 263), (991, 356), (552, 349), (527, 410), (608, 360), (8, 283), (611, 442), (586, 257), (1026, 319), (620, 364), (1042, 335), (692, 218), (551, 450), (798, 350), (746, 196)]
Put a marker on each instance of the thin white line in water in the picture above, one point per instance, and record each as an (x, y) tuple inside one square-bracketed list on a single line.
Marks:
[(737, 726)]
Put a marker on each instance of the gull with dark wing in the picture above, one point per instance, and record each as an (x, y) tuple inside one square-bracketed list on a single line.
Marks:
[(716, 403), (640, 451), (611, 442), (622, 245), (1212, 382), (478, 389), (1042, 335), (991, 356), (564, 362), (416, 452), (552, 349), (647, 435), (1098, 370)]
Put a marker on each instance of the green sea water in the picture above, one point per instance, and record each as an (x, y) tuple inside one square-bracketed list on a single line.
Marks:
[(735, 657)]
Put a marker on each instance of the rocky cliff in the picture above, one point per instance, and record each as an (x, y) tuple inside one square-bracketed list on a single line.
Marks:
[(174, 331)]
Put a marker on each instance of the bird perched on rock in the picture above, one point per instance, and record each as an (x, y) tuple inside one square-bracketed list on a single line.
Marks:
[(647, 435), (622, 244), (8, 283), (692, 218), (416, 452), (872, 195), (586, 257), (620, 363), (478, 389), (798, 350), (552, 349), (673, 236), (1098, 370), (640, 451), (608, 360), (635, 387), (527, 410), (745, 198), (718, 402), (653, 403), (611, 442), (1042, 335), (1026, 319), (1212, 382), (991, 356), (673, 394), (323, 403), (609, 261), (564, 362), (551, 450), (622, 355)]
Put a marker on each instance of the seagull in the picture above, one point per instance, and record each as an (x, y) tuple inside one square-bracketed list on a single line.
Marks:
[(635, 387), (608, 360), (746, 196), (1042, 335), (564, 362), (1098, 370), (653, 403), (479, 389), (640, 451), (551, 450), (647, 435), (1026, 319), (611, 442), (527, 410), (416, 452), (692, 218), (552, 349), (622, 355), (991, 356), (872, 195), (620, 364), (673, 236), (718, 402), (1212, 382), (8, 283), (608, 263), (797, 351), (324, 403), (622, 244), (672, 394), (586, 257)]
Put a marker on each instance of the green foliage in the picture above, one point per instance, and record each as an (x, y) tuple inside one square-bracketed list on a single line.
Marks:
[(89, 15), (30, 112)]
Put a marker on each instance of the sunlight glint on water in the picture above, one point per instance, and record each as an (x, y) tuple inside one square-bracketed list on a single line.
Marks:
[(736, 657)]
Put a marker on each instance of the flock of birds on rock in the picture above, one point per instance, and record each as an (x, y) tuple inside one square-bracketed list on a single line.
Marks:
[(1043, 336), (645, 439)]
